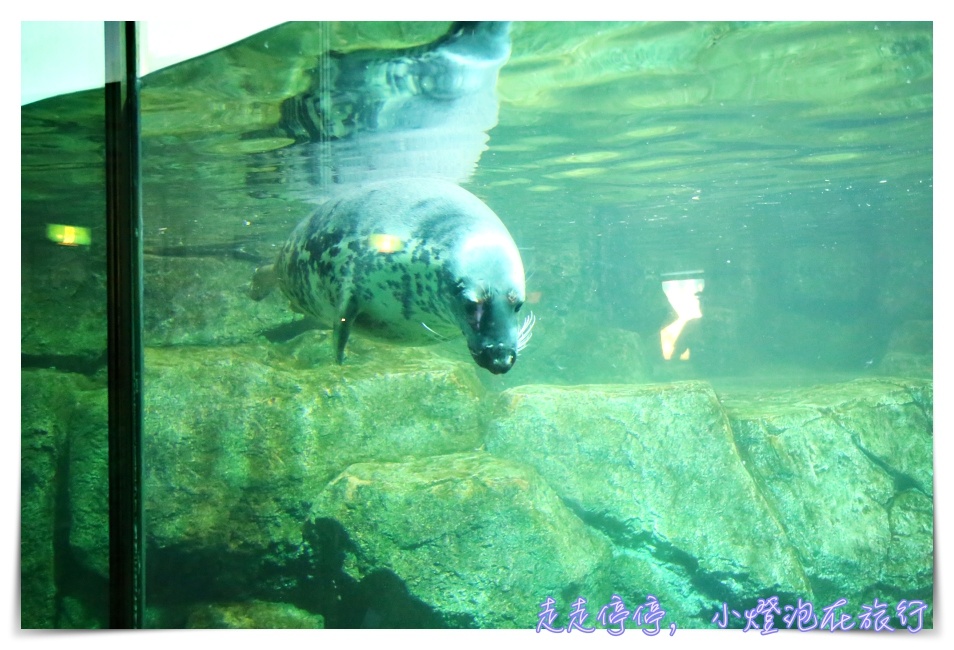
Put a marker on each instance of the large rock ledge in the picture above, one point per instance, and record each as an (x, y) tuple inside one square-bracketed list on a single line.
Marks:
[(848, 471), (817, 493), (655, 467), (272, 430), (480, 540), (372, 497)]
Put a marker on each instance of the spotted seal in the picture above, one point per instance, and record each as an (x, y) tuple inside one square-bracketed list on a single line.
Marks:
[(409, 259), (376, 114)]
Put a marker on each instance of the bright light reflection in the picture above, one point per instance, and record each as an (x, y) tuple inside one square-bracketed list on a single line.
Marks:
[(683, 295)]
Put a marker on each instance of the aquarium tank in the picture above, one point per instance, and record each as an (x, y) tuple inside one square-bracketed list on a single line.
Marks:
[(622, 327)]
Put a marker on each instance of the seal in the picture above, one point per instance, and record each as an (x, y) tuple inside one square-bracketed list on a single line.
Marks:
[(375, 114), (411, 260)]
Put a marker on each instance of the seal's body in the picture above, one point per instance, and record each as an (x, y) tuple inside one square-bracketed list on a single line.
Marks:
[(409, 259)]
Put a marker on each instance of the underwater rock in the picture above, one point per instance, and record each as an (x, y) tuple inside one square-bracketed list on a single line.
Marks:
[(87, 456), (654, 467), (188, 300), (909, 567), (586, 491), (62, 286), (41, 435), (204, 301), (475, 540), (64, 533), (236, 439), (913, 337), (910, 351), (253, 616), (848, 470), (903, 364)]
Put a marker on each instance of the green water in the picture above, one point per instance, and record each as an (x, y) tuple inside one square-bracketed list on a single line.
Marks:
[(791, 162), (790, 165)]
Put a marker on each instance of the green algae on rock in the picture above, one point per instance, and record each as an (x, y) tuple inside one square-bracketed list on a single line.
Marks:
[(481, 541), (848, 470)]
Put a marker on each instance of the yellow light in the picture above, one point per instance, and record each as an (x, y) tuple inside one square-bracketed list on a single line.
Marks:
[(385, 243), (67, 235)]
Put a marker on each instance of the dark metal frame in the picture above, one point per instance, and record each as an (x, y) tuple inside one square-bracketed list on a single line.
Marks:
[(124, 313)]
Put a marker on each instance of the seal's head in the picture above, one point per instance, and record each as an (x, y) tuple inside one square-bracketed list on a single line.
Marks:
[(490, 293)]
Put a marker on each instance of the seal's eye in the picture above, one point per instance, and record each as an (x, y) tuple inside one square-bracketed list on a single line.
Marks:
[(474, 309)]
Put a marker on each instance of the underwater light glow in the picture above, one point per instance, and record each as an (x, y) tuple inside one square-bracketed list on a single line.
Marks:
[(67, 235), (386, 243), (683, 295)]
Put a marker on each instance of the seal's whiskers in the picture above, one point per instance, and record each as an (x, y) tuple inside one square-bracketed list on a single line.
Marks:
[(526, 331), (439, 337)]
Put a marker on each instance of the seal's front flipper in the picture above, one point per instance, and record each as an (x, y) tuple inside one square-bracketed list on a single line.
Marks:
[(342, 330), (264, 281)]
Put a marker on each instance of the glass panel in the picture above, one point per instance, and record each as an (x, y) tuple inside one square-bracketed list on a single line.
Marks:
[(724, 394), (64, 540)]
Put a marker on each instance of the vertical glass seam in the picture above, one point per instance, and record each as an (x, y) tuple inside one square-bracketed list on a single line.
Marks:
[(124, 316)]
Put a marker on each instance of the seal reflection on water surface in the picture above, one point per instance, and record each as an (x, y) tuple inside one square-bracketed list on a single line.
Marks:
[(411, 260)]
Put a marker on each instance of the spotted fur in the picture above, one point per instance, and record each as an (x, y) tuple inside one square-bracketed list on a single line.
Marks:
[(407, 260)]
